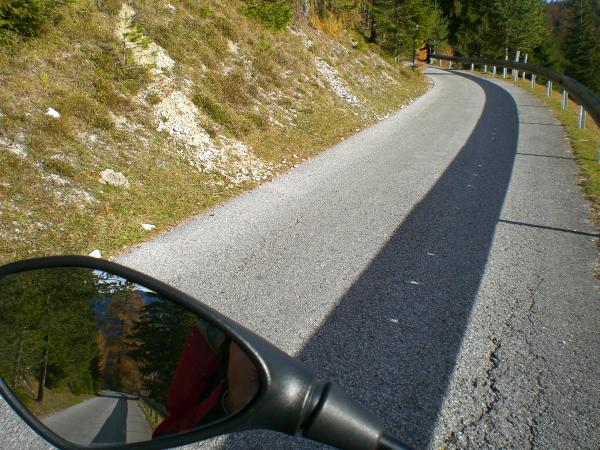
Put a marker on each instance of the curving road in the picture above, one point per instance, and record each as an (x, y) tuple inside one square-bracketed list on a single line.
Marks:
[(111, 418), (438, 265)]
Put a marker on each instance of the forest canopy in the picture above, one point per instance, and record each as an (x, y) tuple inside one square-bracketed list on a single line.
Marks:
[(561, 34)]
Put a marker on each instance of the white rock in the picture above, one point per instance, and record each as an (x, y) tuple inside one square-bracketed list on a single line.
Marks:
[(14, 147), (148, 226), (53, 113), (171, 7), (337, 84), (113, 178), (145, 55), (178, 116), (233, 48), (96, 254)]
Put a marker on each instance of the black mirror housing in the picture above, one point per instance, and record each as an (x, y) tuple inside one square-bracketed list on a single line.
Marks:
[(290, 399)]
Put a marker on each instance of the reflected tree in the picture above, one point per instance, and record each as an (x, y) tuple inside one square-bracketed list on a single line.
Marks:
[(157, 342), (118, 310), (48, 331)]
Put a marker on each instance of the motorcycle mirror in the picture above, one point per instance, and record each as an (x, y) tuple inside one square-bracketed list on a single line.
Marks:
[(93, 353)]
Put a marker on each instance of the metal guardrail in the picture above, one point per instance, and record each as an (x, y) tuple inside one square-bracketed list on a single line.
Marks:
[(155, 411), (587, 99)]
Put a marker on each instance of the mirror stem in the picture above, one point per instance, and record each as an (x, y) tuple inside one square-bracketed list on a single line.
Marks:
[(388, 442), (343, 423)]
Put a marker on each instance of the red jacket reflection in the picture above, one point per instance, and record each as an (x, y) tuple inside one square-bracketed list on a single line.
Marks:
[(190, 397)]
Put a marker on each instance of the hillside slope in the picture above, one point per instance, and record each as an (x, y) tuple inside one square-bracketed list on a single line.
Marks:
[(126, 115)]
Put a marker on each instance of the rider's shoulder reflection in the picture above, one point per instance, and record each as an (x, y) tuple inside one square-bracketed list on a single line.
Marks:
[(214, 379)]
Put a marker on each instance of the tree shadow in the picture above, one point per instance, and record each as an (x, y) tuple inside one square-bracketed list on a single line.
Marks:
[(114, 430), (393, 340)]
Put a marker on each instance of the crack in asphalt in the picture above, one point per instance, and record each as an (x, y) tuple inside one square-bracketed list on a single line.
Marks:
[(494, 398), (531, 312)]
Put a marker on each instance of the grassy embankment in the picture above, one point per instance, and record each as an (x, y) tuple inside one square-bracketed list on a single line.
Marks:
[(54, 399), (153, 417), (253, 96)]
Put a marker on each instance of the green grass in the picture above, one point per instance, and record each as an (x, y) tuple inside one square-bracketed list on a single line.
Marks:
[(152, 416)]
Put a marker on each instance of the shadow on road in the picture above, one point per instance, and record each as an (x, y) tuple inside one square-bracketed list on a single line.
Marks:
[(394, 338), (114, 430)]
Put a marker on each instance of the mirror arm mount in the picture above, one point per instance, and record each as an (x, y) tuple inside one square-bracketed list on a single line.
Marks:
[(343, 423)]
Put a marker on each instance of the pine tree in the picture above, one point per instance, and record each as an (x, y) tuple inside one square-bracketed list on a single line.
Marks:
[(583, 46), (156, 344), (517, 25), (47, 329), (402, 24)]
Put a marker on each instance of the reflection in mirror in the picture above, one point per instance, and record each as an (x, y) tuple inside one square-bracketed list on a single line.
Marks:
[(101, 360)]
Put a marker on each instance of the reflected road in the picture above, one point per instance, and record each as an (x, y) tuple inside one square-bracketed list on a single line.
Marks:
[(112, 418)]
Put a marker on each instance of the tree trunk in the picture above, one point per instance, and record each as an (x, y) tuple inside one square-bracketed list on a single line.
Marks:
[(18, 363), (306, 9), (302, 9), (43, 370), (372, 25)]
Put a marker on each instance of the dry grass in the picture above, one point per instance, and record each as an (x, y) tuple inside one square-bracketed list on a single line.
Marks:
[(55, 400), (249, 83), (330, 24)]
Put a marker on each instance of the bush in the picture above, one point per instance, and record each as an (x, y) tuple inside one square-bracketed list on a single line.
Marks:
[(275, 14), (214, 110), (21, 19)]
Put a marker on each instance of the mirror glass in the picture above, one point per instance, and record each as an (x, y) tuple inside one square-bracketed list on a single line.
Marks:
[(101, 360)]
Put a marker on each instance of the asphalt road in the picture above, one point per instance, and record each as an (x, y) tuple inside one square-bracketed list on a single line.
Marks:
[(112, 418), (438, 265)]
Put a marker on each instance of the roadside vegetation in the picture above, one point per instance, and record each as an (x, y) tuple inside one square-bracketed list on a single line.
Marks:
[(119, 120), (55, 400), (561, 34)]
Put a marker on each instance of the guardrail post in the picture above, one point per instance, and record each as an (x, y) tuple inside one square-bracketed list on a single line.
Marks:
[(588, 102), (472, 67), (450, 65), (485, 68), (440, 63), (494, 70), (582, 116)]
